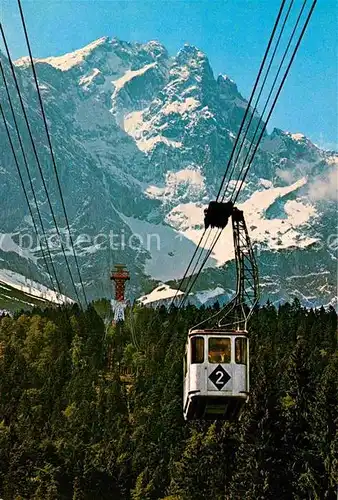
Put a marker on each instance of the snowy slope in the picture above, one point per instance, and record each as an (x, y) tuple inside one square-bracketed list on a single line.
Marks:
[(31, 287), (162, 293)]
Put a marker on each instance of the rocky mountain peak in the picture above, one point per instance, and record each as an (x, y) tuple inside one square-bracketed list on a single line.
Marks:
[(195, 61), (188, 53), (228, 88), (156, 49)]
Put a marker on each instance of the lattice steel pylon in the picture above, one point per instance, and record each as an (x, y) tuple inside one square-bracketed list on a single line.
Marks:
[(120, 276), (236, 314)]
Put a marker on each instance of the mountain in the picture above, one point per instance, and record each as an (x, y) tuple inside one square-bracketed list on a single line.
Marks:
[(141, 140)]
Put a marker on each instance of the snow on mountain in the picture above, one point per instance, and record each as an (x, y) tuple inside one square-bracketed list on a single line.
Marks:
[(160, 295), (204, 295), (142, 140), (86, 80), (67, 61), (188, 183), (274, 234), (180, 100), (186, 106), (24, 284), (139, 129), (129, 75), (297, 137)]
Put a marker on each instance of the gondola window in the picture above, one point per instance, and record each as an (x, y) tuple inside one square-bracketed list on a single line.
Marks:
[(219, 350), (240, 351), (197, 350)]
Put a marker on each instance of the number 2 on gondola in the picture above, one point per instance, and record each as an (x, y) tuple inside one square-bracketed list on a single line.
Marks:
[(220, 375)]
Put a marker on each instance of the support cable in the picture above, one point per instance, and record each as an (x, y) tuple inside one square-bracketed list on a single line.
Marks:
[(50, 147), (194, 278), (37, 160), (279, 89), (252, 95), (187, 269), (257, 101), (24, 190), (32, 189)]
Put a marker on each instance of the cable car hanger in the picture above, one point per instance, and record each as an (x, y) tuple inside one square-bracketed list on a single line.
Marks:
[(236, 313)]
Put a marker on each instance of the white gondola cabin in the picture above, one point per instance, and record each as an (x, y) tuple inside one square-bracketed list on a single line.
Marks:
[(216, 374)]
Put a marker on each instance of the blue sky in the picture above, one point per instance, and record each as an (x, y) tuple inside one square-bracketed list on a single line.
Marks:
[(233, 34)]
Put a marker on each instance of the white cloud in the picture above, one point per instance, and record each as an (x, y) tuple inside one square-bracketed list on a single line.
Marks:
[(322, 143), (286, 175), (325, 187)]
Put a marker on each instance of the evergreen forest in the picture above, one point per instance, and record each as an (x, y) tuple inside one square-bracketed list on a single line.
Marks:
[(89, 410)]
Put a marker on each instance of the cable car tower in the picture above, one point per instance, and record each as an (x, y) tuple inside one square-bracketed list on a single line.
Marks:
[(216, 363), (120, 276)]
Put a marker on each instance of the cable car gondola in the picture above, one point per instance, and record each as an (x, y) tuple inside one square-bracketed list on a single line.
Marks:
[(216, 361), (216, 378)]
